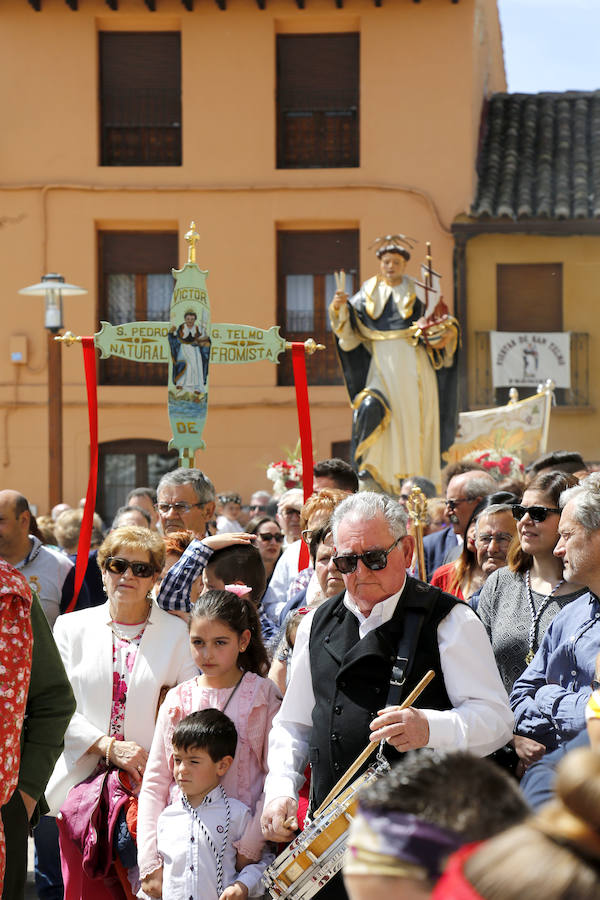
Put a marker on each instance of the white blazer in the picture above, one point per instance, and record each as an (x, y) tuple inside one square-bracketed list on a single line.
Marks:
[(84, 640)]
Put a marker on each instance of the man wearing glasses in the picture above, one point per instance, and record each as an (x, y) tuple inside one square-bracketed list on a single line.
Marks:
[(337, 697), (465, 490), (185, 501)]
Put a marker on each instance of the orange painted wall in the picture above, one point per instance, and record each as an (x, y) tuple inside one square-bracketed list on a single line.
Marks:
[(424, 71)]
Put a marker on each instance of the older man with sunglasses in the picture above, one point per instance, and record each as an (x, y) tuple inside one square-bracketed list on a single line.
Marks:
[(339, 694)]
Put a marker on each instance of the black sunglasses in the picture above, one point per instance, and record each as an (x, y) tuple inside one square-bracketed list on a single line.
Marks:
[(536, 513), (372, 559), (268, 537), (119, 566), (595, 685)]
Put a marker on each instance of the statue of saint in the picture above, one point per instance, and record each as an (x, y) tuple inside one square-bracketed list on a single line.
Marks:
[(392, 358)]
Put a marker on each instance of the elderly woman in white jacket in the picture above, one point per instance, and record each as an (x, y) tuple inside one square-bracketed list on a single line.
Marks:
[(118, 658)]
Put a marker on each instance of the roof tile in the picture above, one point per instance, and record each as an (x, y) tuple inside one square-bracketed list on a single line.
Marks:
[(540, 157)]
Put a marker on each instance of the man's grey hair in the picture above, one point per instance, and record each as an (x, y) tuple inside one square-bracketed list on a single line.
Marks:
[(586, 501), (203, 486), (122, 510), (493, 510), (368, 505), (294, 497), (480, 485)]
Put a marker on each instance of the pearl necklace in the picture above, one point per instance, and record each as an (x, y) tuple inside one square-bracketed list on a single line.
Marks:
[(124, 637)]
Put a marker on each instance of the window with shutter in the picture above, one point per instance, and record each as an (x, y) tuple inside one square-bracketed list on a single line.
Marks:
[(140, 98), (135, 286), (127, 464), (529, 297), (307, 261), (317, 101)]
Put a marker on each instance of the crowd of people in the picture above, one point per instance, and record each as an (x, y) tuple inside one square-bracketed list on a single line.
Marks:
[(227, 664)]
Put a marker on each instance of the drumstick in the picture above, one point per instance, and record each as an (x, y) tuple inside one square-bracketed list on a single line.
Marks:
[(371, 747)]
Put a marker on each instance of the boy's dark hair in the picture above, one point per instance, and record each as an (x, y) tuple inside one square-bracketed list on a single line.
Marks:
[(339, 471), (446, 789), (208, 729), (242, 562)]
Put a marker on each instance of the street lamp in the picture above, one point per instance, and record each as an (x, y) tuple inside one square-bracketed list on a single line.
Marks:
[(54, 287)]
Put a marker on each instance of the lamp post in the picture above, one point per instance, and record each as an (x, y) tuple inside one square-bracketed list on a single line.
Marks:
[(53, 287)]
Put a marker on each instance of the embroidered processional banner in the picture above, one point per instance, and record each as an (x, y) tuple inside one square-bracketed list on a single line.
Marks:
[(519, 429)]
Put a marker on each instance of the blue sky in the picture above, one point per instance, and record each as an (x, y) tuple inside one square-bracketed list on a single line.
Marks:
[(551, 45)]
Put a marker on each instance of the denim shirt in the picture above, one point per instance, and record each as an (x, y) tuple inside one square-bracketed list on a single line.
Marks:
[(550, 697)]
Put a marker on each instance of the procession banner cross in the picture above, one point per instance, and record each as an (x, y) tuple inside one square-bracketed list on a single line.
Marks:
[(190, 344)]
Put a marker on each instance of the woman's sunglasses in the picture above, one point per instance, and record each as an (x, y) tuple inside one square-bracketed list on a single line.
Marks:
[(268, 537), (536, 513), (372, 559), (119, 566)]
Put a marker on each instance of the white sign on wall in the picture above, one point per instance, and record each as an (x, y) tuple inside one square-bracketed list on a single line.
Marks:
[(524, 359)]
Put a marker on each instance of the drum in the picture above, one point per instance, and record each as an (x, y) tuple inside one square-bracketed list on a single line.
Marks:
[(317, 853)]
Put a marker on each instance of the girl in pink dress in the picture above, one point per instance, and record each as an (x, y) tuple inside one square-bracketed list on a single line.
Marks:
[(227, 647)]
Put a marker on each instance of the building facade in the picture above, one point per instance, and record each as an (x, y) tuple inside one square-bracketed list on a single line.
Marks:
[(528, 253), (292, 133)]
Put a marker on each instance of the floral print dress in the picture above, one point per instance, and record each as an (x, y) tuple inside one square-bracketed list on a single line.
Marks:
[(125, 650), (16, 644)]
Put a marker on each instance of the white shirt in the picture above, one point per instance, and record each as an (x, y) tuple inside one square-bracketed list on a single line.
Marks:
[(480, 720), (190, 865)]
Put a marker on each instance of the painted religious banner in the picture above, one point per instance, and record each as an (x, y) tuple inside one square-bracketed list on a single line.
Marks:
[(525, 359), (519, 429), (190, 343)]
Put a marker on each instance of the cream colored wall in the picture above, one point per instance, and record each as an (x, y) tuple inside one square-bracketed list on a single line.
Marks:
[(570, 429), (417, 163)]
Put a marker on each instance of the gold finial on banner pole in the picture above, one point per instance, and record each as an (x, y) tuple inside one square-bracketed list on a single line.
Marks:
[(310, 346), (192, 237), (68, 338)]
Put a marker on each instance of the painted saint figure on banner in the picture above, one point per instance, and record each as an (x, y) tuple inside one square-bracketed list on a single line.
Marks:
[(190, 351), (398, 360)]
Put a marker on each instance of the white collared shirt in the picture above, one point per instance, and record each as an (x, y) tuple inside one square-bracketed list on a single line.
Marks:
[(480, 720), (189, 863), (380, 614)]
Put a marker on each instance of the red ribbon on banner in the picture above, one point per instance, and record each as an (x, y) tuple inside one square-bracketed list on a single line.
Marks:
[(85, 535), (306, 449)]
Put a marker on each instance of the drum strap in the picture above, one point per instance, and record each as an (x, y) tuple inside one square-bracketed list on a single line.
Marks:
[(413, 623)]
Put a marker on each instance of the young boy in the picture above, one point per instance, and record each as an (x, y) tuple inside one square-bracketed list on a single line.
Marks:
[(197, 833)]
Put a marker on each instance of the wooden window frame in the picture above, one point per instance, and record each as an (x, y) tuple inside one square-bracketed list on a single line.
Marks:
[(114, 370), (317, 104), (139, 105), (323, 368)]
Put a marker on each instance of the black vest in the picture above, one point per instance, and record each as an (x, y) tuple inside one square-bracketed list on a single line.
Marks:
[(351, 678)]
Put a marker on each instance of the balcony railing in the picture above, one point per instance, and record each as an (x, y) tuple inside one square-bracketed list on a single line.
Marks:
[(141, 128), (485, 395), (317, 139)]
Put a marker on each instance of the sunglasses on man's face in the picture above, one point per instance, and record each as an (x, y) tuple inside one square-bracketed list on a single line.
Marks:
[(118, 566), (452, 504), (268, 537), (536, 513), (372, 559)]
